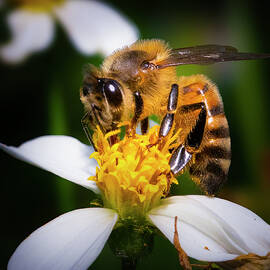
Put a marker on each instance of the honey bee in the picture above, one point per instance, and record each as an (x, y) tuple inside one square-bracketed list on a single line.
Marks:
[(140, 80)]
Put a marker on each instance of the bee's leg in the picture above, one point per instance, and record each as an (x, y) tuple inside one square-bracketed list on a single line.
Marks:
[(167, 121), (191, 107), (183, 154), (137, 113), (138, 107), (144, 125), (87, 130)]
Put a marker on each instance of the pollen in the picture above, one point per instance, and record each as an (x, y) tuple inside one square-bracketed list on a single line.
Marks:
[(134, 173)]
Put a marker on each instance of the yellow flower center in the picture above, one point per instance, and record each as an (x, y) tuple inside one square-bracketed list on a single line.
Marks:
[(37, 5), (134, 173)]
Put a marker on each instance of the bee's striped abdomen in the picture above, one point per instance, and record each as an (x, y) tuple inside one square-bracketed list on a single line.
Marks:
[(212, 160)]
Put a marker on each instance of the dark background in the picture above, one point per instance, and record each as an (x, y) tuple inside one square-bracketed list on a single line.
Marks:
[(41, 97)]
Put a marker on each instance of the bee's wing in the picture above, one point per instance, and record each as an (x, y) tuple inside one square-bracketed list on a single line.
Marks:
[(207, 54)]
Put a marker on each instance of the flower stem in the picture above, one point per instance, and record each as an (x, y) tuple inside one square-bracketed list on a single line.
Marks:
[(129, 264)]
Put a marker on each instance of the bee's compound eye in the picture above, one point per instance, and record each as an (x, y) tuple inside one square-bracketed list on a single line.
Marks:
[(85, 90), (113, 93)]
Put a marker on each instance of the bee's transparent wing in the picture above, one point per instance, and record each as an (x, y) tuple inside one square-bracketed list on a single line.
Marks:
[(207, 54)]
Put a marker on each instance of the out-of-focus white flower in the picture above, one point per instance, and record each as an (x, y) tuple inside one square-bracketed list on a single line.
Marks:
[(210, 229), (91, 26)]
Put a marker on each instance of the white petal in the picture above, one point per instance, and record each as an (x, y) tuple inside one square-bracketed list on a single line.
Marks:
[(253, 230), (71, 241), (95, 27), (31, 32), (62, 155), (212, 229)]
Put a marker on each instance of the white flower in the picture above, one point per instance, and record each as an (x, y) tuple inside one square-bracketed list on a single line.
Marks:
[(91, 25), (210, 229)]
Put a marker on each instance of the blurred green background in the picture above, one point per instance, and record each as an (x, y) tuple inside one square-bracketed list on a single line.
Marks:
[(41, 96)]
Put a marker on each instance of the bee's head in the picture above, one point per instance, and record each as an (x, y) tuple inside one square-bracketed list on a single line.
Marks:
[(103, 98), (108, 93)]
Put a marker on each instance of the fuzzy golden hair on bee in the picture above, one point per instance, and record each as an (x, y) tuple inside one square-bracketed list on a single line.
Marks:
[(157, 50), (126, 66), (135, 65)]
